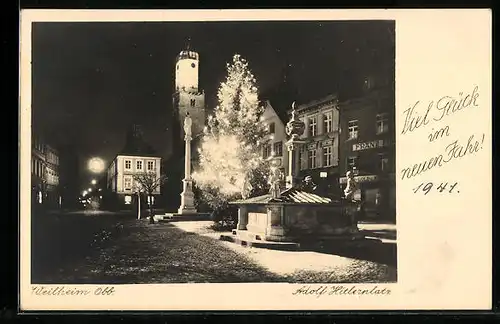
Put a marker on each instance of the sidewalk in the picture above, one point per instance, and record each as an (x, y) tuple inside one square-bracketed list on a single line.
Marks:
[(386, 232), (309, 266)]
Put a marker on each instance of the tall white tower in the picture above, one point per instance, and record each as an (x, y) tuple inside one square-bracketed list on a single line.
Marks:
[(187, 95)]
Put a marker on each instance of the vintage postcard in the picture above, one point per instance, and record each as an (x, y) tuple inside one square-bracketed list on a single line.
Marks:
[(255, 160)]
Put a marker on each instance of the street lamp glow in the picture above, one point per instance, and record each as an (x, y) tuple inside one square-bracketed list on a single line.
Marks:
[(84, 193), (94, 181), (89, 189), (96, 165)]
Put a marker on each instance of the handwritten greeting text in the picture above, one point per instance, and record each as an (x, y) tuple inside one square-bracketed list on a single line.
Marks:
[(437, 112)]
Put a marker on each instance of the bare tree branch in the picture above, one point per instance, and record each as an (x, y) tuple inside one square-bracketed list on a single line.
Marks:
[(149, 181)]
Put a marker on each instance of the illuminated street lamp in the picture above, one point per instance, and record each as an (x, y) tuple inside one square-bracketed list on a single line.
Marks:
[(89, 189), (84, 193), (96, 165), (94, 181)]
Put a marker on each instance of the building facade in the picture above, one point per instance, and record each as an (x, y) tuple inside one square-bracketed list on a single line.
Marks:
[(273, 146), (367, 147), (122, 187), (318, 157), (121, 172), (44, 176), (53, 197)]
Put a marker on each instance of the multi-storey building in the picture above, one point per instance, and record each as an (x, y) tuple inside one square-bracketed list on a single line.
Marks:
[(273, 145), (318, 157), (136, 157), (367, 147), (38, 184), (277, 102), (53, 198), (44, 175)]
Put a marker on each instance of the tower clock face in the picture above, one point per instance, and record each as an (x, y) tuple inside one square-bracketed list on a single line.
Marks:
[(193, 65)]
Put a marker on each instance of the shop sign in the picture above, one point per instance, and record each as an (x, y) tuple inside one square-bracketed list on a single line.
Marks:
[(363, 178), (368, 145)]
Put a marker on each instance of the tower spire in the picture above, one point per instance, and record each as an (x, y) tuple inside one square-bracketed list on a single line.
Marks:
[(188, 43)]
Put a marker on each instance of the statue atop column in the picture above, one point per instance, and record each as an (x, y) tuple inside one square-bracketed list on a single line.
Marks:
[(294, 129)]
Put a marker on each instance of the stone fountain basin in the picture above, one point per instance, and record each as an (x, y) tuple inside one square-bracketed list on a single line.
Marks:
[(308, 217)]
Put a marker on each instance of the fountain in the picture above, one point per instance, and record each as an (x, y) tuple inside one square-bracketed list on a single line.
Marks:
[(286, 218)]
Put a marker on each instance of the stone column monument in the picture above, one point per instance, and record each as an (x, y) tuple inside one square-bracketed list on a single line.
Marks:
[(187, 195), (294, 128)]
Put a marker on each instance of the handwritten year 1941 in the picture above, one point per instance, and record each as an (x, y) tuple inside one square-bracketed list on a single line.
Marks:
[(442, 187)]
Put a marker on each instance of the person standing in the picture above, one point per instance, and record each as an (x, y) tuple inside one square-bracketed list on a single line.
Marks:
[(351, 203)]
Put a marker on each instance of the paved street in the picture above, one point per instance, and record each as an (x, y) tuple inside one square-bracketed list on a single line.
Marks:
[(102, 247)]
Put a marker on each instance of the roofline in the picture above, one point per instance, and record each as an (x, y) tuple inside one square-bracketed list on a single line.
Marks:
[(316, 102)]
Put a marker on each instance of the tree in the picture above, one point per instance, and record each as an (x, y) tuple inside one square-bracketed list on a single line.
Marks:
[(148, 182), (230, 160)]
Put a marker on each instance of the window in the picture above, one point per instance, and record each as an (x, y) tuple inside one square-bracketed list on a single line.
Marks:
[(127, 182), (193, 102), (138, 165), (151, 165), (278, 149), (328, 122), (327, 156), (382, 123), (353, 129), (313, 126), (352, 162), (128, 164), (272, 127), (383, 161), (267, 150), (312, 159), (128, 200)]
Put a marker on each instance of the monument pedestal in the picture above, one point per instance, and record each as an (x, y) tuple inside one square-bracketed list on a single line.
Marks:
[(187, 211), (187, 198)]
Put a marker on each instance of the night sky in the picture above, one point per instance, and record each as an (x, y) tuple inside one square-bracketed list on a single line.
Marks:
[(92, 80)]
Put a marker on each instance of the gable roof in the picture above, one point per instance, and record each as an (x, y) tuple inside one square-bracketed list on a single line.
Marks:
[(135, 144), (291, 196)]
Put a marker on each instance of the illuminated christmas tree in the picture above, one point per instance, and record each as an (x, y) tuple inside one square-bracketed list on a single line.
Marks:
[(231, 164)]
